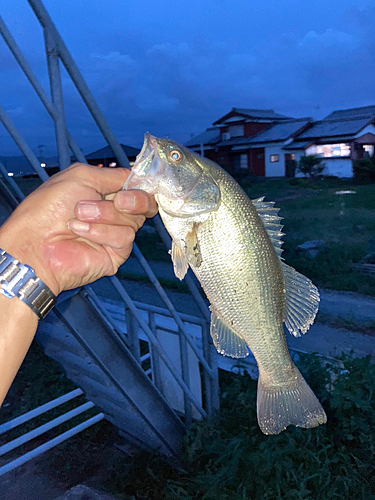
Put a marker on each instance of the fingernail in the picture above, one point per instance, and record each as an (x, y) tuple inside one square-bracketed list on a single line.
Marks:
[(78, 226), (126, 200), (87, 210)]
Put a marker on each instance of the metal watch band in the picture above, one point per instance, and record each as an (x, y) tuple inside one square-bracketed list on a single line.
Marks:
[(19, 280)]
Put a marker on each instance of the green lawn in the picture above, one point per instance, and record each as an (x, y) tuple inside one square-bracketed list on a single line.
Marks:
[(312, 211), (346, 223)]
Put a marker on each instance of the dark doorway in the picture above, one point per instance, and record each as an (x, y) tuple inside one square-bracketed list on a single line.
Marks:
[(257, 163), (290, 165)]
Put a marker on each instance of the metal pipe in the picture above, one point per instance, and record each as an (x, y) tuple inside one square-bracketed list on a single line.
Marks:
[(22, 144), (7, 426), (53, 65), (12, 182), (50, 444), (170, 306), (30, 75), (82, 87), (38, 431), (155, 360), (156, 343)]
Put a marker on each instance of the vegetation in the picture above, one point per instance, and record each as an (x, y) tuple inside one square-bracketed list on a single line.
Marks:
[(364, 170), (311, 165), (312, 210), (228, 458)]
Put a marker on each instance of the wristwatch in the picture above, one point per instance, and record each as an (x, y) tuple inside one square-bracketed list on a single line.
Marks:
[(19, 280)]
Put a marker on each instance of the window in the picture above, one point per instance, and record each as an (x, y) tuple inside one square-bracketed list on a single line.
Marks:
[(274, 158), (368, 150), (240, 162), (329, 150), (235, 130)]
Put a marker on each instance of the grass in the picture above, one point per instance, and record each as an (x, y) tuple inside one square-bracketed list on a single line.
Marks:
[(312, 211), (346, 224), (230, 459)]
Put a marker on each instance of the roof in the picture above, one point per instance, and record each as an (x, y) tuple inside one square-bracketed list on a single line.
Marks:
[(344, 114), (107, 152), (209, 136), (328, 128), (263, 114), (274, 133), (19, 165)]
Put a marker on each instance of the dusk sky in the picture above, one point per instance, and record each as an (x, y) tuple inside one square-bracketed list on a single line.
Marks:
[(174, 67)]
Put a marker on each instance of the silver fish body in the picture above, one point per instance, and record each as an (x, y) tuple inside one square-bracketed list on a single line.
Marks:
[(233, 246)]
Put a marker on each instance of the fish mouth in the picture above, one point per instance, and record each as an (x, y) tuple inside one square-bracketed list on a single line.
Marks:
[(147, 165)]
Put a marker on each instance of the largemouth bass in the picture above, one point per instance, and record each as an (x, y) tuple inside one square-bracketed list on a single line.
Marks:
[(233, 246)]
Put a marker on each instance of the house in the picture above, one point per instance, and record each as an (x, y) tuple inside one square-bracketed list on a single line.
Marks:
[(266, 144), (105, 157), (252, 140), (341, 138)]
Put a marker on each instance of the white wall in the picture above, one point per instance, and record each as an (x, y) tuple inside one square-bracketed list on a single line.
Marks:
[(341, 167), (277, 169)]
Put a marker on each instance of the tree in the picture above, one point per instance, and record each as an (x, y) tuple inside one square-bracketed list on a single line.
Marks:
[(311, 165)]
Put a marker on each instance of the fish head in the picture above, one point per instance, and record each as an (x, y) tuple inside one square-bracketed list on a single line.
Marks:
[(174, 174)]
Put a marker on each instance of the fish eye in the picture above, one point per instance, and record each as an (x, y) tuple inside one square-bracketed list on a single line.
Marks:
[(175, 155)]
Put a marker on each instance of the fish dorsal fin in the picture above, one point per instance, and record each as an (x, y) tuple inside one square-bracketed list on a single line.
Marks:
[(271, 221), (180, 264), (226, 341), (301, 301)]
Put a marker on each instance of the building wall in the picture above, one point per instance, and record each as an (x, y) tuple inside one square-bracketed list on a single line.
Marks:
[(341, 167), (277, 169)]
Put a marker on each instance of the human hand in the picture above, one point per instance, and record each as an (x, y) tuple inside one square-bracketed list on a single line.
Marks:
[(77, 226)]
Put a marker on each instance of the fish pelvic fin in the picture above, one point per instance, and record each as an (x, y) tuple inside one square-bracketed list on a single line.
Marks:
[(278, 407)]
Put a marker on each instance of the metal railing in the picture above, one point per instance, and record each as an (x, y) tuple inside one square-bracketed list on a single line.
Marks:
[(157, 357), (42, 429)]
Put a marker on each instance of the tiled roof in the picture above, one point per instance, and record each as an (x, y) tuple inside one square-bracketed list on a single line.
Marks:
[(209, 136), (108, 153), (344, 114), (257, 114), (328, 128), (274, 133)]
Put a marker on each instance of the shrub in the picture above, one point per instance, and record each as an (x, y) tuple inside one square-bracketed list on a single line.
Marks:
[(311, 165), (364, 170)]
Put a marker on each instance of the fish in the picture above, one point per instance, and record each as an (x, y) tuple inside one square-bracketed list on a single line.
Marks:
[(233, 246)]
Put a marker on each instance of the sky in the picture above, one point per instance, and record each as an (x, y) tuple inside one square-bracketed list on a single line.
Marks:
[(174, 67)]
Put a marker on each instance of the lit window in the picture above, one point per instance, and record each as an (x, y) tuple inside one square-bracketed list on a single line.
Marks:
[(113, 164), (369, 150), (274, 158), (329, 150), (43, 165), (10, 174)]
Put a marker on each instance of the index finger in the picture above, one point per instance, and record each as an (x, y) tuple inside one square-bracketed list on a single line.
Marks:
[(103, 180)]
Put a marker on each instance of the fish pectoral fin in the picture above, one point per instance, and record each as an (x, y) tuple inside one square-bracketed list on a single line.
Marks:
[(180, 264), (301, 301), (192, 248), (226, 341)]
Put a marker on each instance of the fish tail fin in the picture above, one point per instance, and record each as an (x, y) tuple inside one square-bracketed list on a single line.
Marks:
[(295, 404)]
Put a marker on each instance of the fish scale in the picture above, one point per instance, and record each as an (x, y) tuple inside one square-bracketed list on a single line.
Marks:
[(233, 246)]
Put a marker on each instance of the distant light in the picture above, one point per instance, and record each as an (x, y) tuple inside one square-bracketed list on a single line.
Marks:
[(10, 174), (100, 165), (131, 163), (43, 165), (113, 164)]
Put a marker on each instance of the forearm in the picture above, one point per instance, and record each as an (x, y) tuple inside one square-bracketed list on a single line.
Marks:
[(18, 324)]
